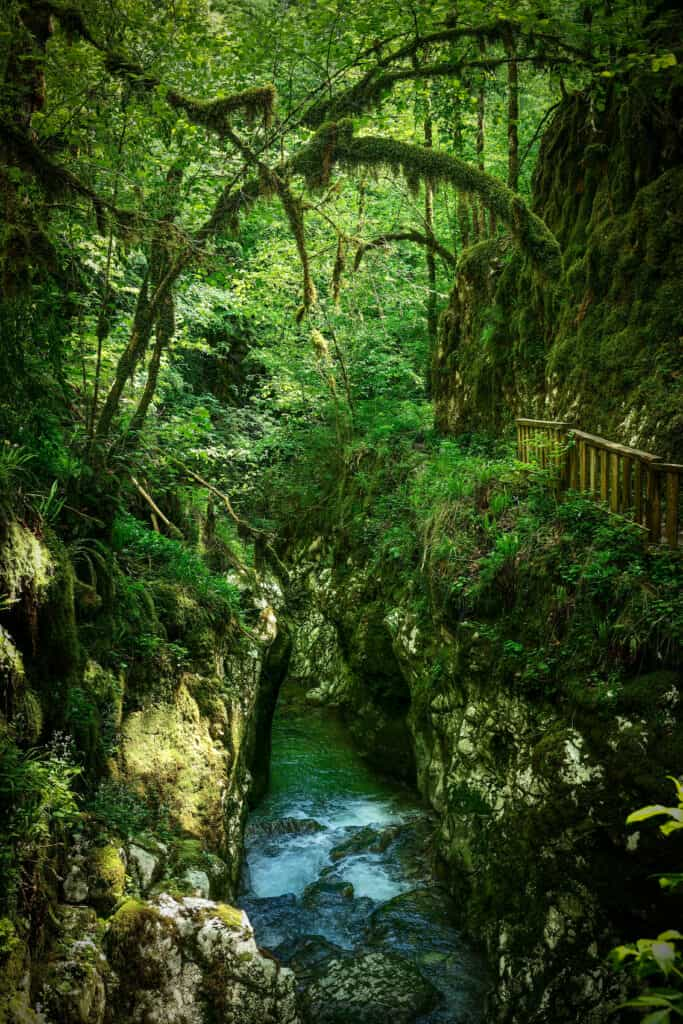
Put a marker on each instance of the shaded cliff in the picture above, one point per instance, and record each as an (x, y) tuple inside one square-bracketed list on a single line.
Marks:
[(601, 348), (131, 699)]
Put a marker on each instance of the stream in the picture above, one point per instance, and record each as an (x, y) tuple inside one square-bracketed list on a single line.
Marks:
[(339, 885)]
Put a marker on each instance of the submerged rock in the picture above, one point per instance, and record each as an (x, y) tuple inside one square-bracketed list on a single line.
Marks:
[(369, 989), (413, 920), (308, 954), (284, 826), (365, 840), (276, 919), (327, 885)]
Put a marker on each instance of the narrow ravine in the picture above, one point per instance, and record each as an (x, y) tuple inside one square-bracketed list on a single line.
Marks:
[(339, 884)]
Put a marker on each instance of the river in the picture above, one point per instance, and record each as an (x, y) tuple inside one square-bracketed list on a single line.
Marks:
[(339, 884)]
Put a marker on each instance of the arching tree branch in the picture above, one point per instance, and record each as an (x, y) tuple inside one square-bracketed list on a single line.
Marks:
[(409, 235), (336, 144), (371, 90), (545, 49)]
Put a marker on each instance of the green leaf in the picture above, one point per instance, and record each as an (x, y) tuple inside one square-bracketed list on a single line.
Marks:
[(665, 955), (658, 1017), (665, 60), (670, 826), (647, 1000), (651, 811)]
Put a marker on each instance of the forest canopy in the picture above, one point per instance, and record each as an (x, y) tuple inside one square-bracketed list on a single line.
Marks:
[(141, 145)]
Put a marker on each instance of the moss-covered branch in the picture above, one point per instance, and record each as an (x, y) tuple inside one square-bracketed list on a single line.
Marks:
[(372, 89), (213, 114), (544, 49), (18, 150), (271, 182), (409, 235), (336, 144)]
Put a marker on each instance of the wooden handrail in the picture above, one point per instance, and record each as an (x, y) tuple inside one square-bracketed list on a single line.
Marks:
[(630, 481), (612, 446)]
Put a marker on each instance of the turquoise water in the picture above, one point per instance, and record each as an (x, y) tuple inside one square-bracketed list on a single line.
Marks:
[(339, 861)]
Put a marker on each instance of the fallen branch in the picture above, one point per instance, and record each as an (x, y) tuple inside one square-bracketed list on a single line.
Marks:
[(156, 511), (262, 539)]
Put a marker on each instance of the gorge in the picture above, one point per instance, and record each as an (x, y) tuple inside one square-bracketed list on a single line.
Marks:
[(322, 701)]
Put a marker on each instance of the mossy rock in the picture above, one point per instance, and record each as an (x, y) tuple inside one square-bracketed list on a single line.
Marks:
[(194, 871), (135, 926), (11, 661), (23, 711), (369, 989), (106, 877), (651, 690), (167, 751), (74, 980), (27, 565), (14, 1005)]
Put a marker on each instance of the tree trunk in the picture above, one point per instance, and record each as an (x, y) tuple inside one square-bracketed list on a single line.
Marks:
[(429, 252), (478, 208), (513, 114), (165, 328)]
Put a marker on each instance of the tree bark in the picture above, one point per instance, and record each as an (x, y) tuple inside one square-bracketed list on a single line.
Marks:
[(478, 209), (165, 327), (513, 113), (429, 252)]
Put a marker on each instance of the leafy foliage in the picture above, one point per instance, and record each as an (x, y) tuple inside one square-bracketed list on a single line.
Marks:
[(657, 962)]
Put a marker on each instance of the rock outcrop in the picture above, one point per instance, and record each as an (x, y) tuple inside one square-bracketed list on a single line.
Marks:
[(125, 922), (528, 788)]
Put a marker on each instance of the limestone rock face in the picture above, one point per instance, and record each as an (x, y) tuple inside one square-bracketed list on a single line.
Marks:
[(191, 961), (74, 986), (193, 746), (519, 787), (370, 989)]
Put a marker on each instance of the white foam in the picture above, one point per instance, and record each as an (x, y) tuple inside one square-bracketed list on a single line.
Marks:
[(370, 878), (296, 862)]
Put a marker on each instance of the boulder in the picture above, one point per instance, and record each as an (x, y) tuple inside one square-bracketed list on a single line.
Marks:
[(190, 960), (73, 990), (369, 989)]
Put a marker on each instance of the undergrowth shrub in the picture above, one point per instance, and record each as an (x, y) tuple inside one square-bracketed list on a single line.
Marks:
[(38, 806), (148, 554)]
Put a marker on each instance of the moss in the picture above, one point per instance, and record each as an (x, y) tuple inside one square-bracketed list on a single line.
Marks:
[(58, 660), (336, 144), (230, 916), (107, 877), (186, 853), (28, 718), (168, 755), (11, 661), (13, 955), (601, 347), (26, 564), (134, 927), (215, 114), (650, 691)]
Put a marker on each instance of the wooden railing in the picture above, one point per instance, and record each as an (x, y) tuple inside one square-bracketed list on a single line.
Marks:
[(629, 481)]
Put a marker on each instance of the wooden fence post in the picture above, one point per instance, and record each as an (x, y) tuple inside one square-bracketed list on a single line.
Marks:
[(626, 472), (671, 472), (654, 504)]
